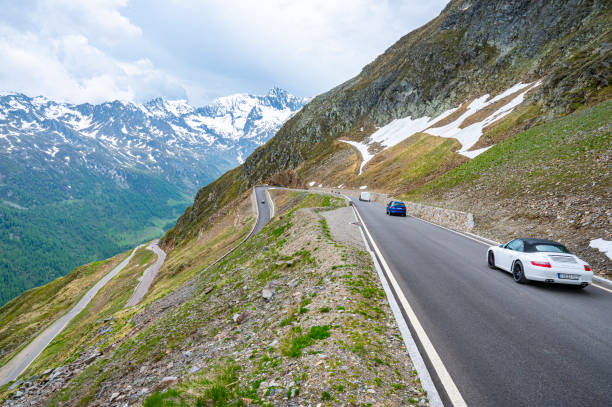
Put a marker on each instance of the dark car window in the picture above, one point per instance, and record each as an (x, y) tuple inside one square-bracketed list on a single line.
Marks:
[(556, 248), (398, 204), (516, 244)]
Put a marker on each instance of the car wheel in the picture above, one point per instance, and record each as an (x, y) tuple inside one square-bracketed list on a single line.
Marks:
[(491, 259), (404, 215), (518, 273)]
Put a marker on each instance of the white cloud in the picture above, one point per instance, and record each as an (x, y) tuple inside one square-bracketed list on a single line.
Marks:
[(99, 50), (96, 19), (305, 46), (70, 68), (55, 56)]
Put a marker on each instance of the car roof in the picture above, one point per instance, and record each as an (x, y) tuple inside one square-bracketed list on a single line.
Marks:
[(532, 240)]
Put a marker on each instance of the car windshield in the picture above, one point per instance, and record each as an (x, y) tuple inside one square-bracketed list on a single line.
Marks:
[(556, 248), (398, 204)]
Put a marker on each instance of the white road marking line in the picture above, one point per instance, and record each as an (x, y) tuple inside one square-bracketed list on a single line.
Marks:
[(603, 288), (417, 360), (445, 378)]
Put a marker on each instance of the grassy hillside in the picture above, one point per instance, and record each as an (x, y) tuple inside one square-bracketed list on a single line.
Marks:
[(229, 346), (105, 321), (553, 180), (30, 313), (92, 326)]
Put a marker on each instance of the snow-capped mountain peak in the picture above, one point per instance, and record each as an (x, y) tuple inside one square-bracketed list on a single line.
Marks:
[(168, 136)]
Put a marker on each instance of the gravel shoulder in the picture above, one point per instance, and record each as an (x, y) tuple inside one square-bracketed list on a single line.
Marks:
[(344, 227)]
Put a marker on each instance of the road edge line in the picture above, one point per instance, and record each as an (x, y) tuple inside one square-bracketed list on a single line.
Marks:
[(603, 281), (427, 383), (601, 288), (445, 378)]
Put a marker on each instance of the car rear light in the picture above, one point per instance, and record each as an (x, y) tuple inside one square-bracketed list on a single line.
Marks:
[(541, 263), (587, 267)]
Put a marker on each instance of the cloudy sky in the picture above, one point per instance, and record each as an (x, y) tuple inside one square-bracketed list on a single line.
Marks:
[(98, 50)]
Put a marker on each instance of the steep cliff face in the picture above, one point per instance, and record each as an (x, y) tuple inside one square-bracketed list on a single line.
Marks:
[(472, 48)]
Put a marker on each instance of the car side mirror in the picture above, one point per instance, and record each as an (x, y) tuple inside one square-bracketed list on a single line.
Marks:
[(501, 245)]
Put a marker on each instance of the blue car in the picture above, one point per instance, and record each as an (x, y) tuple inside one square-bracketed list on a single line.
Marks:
[(396, 208)]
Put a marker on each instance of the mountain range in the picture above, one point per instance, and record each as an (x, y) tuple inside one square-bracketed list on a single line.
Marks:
[(95, 179)]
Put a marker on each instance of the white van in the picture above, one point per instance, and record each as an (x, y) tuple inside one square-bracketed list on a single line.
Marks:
[(364, 196)]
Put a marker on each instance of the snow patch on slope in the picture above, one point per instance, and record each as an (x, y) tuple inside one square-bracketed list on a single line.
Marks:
[(400, 129), (363, 150), (604, 246), (469, 135)]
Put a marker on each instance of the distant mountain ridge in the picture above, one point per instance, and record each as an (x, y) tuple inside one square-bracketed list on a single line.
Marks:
[(82, 182), (188, 145)]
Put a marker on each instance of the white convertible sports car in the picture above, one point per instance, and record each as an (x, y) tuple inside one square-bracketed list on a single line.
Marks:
[(540, 260)]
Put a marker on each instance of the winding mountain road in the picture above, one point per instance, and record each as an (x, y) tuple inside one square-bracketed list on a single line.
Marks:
[(502, 343), (264, 211), (23, 359), (148, 275)]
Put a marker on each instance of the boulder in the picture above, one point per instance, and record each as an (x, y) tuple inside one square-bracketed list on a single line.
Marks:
[(267, 293), (92, 357), (16, 384), (238, 318)]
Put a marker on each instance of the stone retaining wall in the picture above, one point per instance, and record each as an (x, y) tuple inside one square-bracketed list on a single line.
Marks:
[(449, 218)]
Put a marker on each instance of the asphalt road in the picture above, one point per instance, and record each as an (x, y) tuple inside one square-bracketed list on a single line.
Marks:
[(148, 276), (263, 209), (23, 359), (504, 344)]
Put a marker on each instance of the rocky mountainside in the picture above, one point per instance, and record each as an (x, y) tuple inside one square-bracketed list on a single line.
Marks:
[(81, 182), (472, 48), (487, 70)]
